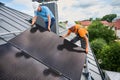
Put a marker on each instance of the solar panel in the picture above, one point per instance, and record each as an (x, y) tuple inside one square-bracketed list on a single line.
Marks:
[(16, 66), (53, 51)]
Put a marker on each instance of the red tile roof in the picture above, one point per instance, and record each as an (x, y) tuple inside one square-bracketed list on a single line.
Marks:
[(107, 23), (117, 24), (87, 23)]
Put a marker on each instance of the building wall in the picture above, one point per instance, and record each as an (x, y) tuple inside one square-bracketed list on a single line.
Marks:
[(118, 33)]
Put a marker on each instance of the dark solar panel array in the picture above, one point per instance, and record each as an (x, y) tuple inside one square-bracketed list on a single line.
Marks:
[(68, 62), (52, 50), (16, 66)]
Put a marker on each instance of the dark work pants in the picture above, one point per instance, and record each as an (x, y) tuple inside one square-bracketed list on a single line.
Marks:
[(52, 22), (82, 41)]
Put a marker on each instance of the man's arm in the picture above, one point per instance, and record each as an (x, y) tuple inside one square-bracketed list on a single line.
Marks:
[(34, 20), (49, 22), (86, 40), (66, 35)]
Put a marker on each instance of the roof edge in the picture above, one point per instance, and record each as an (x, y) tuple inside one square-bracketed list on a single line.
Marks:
[(2, 4)]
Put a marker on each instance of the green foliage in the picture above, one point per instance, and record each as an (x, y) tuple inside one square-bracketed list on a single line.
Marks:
[(98, 19), (77, 22), (63, 24), (97, 45), (94, 30), (110, 56), (98, 30), (102, 42), (109, 17), (90, 19)]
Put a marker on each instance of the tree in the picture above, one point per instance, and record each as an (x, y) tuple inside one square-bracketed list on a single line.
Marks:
[(98, 30), (109, 17), (77, 22), (97, 46), (98, 19), (110, 56), (90, 19), (107, 53)]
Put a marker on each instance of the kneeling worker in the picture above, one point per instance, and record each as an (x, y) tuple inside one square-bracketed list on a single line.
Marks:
[(81, 34)]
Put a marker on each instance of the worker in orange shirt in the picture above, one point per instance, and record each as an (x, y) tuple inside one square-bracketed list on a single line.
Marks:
[(81, 34)]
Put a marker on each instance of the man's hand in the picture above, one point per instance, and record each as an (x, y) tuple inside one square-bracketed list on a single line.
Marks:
[(33, 21), (62, 36), (49, 29)]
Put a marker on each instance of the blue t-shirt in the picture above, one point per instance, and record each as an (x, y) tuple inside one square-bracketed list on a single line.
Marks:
[(44, 13)]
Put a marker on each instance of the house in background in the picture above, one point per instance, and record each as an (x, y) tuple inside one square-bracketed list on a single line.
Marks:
[(88, 23), (85, 22), (116, 23), (106, 23)]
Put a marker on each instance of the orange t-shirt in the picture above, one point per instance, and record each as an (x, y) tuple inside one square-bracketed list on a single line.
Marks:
[(79, 30), (82, 32)]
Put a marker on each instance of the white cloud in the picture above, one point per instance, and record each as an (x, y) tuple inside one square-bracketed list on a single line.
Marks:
[(115, 3), (84, 9), (27, 3), (24, 6), (74, 9)]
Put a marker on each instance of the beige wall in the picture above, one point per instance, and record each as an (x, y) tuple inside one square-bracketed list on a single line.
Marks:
[(118, 33)]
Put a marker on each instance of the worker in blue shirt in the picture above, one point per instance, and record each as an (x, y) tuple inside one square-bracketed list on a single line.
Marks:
[(45, 13)]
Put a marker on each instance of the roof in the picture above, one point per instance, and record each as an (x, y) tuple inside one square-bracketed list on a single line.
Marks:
[(117, 24), (106, 23), (12, 23), (113, 75), (87, 23)]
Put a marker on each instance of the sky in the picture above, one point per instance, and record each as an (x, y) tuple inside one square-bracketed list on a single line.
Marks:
[(72, 10)]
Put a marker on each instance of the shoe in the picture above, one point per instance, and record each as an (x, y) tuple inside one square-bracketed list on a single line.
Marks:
[(85, 65)]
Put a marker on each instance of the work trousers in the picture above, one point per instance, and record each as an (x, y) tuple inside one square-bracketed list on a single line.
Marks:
[(82, 41)]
